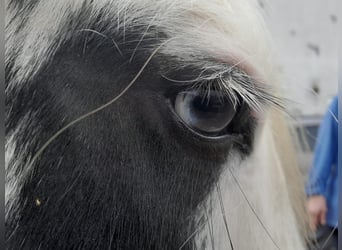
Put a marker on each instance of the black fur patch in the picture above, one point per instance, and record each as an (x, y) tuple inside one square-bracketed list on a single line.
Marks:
[(129, 176)]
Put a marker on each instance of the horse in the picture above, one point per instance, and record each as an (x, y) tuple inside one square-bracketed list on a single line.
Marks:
[(147, 125)]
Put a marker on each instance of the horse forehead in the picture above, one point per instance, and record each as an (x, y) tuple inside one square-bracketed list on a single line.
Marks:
[(198, 29)]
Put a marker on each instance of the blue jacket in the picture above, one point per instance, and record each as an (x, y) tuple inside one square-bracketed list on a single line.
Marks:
[(323, 177)]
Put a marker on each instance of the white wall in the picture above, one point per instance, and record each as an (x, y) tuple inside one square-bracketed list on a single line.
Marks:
[(305, 35)]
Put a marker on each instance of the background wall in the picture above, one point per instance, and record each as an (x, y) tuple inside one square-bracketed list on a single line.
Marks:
[(305, 35)]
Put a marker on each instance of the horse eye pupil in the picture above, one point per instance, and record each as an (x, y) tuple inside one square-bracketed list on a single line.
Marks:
[(209, 114), (208, 104)]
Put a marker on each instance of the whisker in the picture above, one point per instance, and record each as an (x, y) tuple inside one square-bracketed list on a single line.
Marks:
[(329, 237), (210, 228), (192, 235), (314, 244), (85, 45), (252, 208), (218, 189), (59, 132), (141, 39), (104, 36), (334, 116)]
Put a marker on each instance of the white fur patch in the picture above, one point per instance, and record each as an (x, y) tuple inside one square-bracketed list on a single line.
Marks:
[(16, 174), (230, 30), (261, 178)]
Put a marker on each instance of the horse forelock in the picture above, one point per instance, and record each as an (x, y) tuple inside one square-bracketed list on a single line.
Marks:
[(197, 29)]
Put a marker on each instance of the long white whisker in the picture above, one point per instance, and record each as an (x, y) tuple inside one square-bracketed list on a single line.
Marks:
[(104, 36), (330, 235), (210, 228), (59, 132), (252, 208), (223, 212), (192, 235)]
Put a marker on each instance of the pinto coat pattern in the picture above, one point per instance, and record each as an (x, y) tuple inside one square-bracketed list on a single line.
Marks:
[(151, 166)]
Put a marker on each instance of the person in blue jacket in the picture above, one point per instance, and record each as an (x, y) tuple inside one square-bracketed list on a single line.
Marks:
[(322, 186)]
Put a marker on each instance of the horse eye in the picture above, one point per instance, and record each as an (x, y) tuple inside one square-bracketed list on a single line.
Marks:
[(206, 113)]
